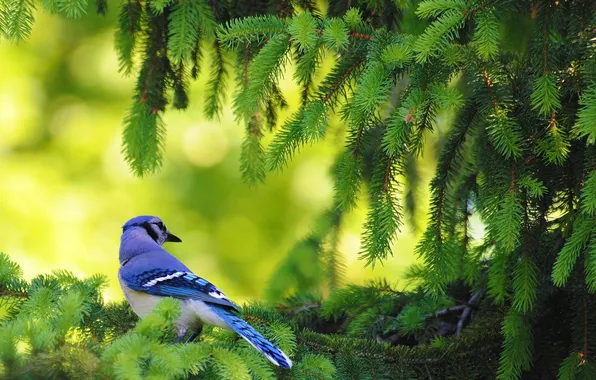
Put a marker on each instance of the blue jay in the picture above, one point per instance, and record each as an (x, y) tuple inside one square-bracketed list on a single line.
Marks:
[(148, 273)]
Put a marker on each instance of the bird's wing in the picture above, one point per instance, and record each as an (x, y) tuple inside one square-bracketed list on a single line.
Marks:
[(177, 284)]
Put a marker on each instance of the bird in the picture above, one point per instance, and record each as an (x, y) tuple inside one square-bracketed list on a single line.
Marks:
[(149, 273)]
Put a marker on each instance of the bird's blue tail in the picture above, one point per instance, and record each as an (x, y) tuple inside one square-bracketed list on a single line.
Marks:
[(258, 341)]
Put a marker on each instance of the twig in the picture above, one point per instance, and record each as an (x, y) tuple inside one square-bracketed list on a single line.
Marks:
[(446, 310), (468, 309), (306, 307), (13, 293), (462, 318)]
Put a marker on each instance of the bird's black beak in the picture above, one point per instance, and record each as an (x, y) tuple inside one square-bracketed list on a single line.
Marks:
[(173, 238)]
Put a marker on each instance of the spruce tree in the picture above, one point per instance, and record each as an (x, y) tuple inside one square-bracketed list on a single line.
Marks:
[(520, 77)]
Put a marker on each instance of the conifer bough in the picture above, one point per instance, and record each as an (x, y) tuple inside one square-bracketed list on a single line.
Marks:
[(520, 77)]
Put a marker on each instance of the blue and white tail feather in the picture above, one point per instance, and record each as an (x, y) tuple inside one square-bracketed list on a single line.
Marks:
[(252, 336)]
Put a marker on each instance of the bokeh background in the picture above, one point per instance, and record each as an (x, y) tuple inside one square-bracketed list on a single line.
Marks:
[(65, 190)]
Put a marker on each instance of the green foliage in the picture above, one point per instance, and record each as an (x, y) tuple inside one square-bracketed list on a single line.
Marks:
[(505, 134), (398, 54), (517, 348), (586, 124), (353, 17), (519, 115), (250, 30), (554, 147), (289, 139), (582, 230), (9, 270), (129, 23), (588, 195), (323, 368), (486, 36), (590, 264), (525, 284), (158, 6), (262, 75), (303, 28), (72, 8), (70, 333), (411, 319), (310, 262), (441, 31), (252, 166), (533, 186), (101, 7), (383, 218), (50, 6), (335, 34), (373, 90), (570, 367), (16, 19), (144, 126), (507, 221), (545, 97), (184, 22), (349, 176), (216, 88)]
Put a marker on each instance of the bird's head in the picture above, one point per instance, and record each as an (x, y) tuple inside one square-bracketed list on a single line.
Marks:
[(153, 226)]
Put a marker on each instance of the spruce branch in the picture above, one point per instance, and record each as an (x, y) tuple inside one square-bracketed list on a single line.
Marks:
[(250, 30), (434, 8), (588, 195), (252, 162), (556, 144), (180, 83), (348, 175), (72, 8), (143, 137), (525, 284), (545, 97), (129, 21), (582, 230), (569, 368), (101, 7), (183, 29), (586, 121), (17, 19), (50, 6), (309, 123), (372, 91), (438, 35), (263, 72), (505, 134), (401, 355), (384, 217), (433, 246), (590, 264), (216, 87), (158, 6), (336, 34), (303, 31), (486, 36), (517, 348)]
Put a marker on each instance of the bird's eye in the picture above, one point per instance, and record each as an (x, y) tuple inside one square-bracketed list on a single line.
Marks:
[(160, 225)]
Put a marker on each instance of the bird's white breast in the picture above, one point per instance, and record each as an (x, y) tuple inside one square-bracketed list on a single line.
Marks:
[(141, 303)]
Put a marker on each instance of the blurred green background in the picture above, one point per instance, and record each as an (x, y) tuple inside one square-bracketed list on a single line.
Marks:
[(65, 190)]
